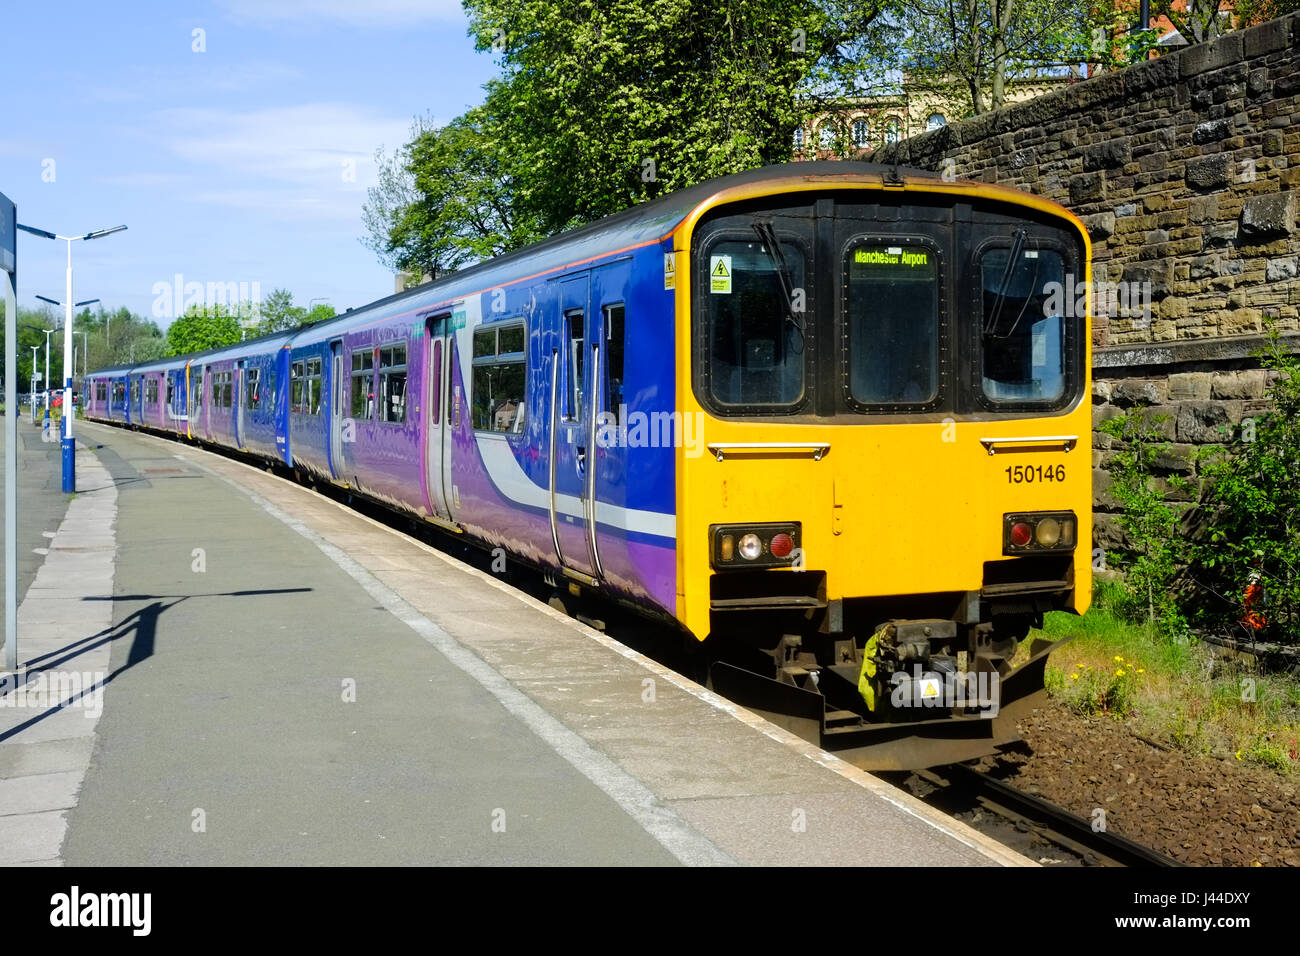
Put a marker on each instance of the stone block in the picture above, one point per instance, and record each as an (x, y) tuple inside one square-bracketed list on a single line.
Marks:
[(1202, 423), (1209, 172), (1190, 386), (1267, 217)]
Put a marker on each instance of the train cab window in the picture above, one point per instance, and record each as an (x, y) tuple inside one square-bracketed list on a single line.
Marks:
[(613, 359), (311, 397), (891, 325), (392, 384), (1023, 332), (573, 325), (196, 390), (252, 388), (755, 324), (500, 366), (363, 384)]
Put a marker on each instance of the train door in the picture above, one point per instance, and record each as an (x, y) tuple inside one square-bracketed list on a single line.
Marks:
[(238, 411), (204, 391), (437, 430), (574, 356), (338, 396)]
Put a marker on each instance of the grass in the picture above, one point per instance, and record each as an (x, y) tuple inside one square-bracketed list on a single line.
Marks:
[(1178, 693)]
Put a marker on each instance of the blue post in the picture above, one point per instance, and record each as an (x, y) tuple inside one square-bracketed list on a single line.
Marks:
[(69, 448)]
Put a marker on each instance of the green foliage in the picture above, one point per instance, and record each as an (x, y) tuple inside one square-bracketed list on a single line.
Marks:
[(279, 314), (1091, 690), (1252, 508), (971, 50), (1150, 522), (604, 105), (202, 328)]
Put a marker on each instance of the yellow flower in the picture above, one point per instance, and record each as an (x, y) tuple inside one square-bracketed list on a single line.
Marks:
[(1118, 659), (1238, 754), (1120, 672), (1074, 677), (1142, 670)]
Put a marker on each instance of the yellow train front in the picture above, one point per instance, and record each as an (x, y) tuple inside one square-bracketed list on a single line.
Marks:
[(891, 481)]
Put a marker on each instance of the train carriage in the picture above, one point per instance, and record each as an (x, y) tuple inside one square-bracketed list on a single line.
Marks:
[(829, 420)]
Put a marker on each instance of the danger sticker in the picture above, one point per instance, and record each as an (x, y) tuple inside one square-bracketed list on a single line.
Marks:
[(720, 274), (670, 270)]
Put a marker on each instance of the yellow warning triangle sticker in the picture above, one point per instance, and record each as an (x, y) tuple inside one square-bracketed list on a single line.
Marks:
[(721, 268)]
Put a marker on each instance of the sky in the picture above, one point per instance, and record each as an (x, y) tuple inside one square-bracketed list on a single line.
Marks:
[(239, 153)]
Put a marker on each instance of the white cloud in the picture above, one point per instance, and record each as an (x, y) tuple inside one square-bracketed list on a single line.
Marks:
[(372, 13), (324, 145)]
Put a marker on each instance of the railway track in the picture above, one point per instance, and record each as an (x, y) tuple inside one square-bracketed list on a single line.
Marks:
[(960, 789)]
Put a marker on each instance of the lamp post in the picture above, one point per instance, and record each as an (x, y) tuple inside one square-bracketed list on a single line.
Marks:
[(35, 349), (73, 367), (69, 443), (45, 382)]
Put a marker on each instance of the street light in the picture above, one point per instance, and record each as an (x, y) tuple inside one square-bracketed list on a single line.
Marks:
[(82, 334), (69, 443), (46, 380), (34, 350)]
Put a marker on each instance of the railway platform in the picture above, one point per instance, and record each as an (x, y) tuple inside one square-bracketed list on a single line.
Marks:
[(250, 673)]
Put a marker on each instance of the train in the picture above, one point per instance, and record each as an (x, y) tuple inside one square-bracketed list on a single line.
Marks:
[(828, 422)]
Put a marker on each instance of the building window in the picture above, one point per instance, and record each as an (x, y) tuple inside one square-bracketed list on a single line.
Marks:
[(893, 130), (826, 136), (935, 120), (363, 384), (861, 134), (500, 369), (798, 137), (392, 384)]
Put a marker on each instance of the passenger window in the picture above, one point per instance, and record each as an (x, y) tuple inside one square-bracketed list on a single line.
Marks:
[(296, 388), (312, 392), (252, 392), (499, 380), (363, 384), (392, 384), (613, 359), (574, 342)]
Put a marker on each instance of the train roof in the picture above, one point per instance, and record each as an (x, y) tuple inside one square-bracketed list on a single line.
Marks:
[(637, 225)]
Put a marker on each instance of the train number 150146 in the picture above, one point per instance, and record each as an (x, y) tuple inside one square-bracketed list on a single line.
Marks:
[(1028, 474)]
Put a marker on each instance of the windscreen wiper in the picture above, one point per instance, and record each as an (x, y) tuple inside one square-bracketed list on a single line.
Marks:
[(995, 313), (768, 235)]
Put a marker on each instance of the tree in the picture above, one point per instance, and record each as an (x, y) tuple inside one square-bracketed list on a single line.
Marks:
[(202, 328), (977, 45), (606, 104), (279, 314)]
